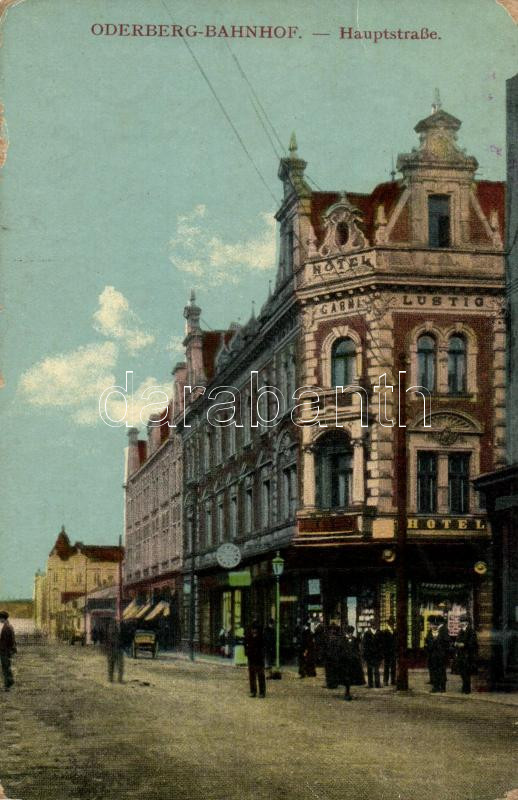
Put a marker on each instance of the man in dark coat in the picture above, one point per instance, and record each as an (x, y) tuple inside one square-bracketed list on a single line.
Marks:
[(7, 649), (114, 650), (372, 647), (269, 646), (307, 653), (254, 651), (388, 644), (333, 657), (351, 673), (466, 650), (437, 645)]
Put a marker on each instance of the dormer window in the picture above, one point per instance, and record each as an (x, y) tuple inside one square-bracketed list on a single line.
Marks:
[(342, 233), (439, 234)]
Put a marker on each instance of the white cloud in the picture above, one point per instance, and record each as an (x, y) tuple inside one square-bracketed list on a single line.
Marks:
[(175, 346), (197, 250), (150, 397), (115, 319), (71, 379)]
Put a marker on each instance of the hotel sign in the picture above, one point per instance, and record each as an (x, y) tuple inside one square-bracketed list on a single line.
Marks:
[(423, 524)]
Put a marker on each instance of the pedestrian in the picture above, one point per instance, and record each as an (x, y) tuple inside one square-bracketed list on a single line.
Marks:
[(437, 645), (269, 646), (7, 649), (388, 641), (351, 672), (307, 668), (333, 657), (466, 651), (254, 651), (114, 650), (372, 649), (320, 639)]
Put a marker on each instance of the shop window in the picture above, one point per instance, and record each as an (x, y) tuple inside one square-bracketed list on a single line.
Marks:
[(334, 471), (439, 220), (426, 483), (458, 483), (457, 365), (343, 362), (426, 348)]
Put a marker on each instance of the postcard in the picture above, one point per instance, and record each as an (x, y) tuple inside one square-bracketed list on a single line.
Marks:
[(258, 356)]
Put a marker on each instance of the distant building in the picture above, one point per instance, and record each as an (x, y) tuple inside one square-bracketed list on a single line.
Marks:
[(21, 615), (153, 535), (72, 571)]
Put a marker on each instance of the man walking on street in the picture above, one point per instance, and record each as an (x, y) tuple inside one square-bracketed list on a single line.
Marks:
[(254, 651), (7, 649), (372, 653), (466, 650), (114, 650), (437, 644), (388, 641)]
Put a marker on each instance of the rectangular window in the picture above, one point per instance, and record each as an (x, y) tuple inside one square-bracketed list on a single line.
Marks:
[(289, 492), (221, 519), (249, 509), (458, 483), (439, 220), (426, 483), (265, 503), (208, 526), (233, 516)]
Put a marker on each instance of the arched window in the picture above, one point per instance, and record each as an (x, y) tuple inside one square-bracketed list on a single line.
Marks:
[(426, 362), (334, 460), (457, 365), (343, 362)]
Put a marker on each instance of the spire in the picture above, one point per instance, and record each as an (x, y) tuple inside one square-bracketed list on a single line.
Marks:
[(253, 309), (293, 145), (392, 171), (193, 297), (436, 105), (291, 171)]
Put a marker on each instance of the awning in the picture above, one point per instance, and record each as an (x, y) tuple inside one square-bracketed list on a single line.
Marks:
[(160, 608), (142, 611), (131, 610)]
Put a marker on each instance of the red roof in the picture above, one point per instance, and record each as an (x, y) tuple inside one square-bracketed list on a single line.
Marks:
[(491, 196), (98, 552), (212, 341), (386, 194)]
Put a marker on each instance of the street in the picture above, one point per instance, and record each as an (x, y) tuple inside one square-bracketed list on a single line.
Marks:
[(181, 730)]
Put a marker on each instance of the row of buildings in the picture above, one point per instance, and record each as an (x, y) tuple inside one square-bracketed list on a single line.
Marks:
[(280, 437)]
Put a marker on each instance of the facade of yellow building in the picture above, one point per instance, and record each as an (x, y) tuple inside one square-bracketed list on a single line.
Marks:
[(73, 571)]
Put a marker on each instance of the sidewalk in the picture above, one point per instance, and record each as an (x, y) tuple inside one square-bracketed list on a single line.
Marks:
[(417, 679)]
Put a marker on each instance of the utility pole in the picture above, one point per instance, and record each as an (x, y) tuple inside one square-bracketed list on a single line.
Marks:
[(401, 542), (119, 594), (192, 614)]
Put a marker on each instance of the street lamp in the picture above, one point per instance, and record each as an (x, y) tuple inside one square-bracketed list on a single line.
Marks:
[(278, 569)]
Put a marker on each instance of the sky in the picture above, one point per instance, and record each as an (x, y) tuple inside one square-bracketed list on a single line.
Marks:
[(125, 185)]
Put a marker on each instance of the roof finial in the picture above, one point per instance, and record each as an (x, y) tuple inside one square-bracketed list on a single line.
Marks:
[(392, 171), (436, 105), (253, 309), (293, 145), (270, 289), (193, 297)]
